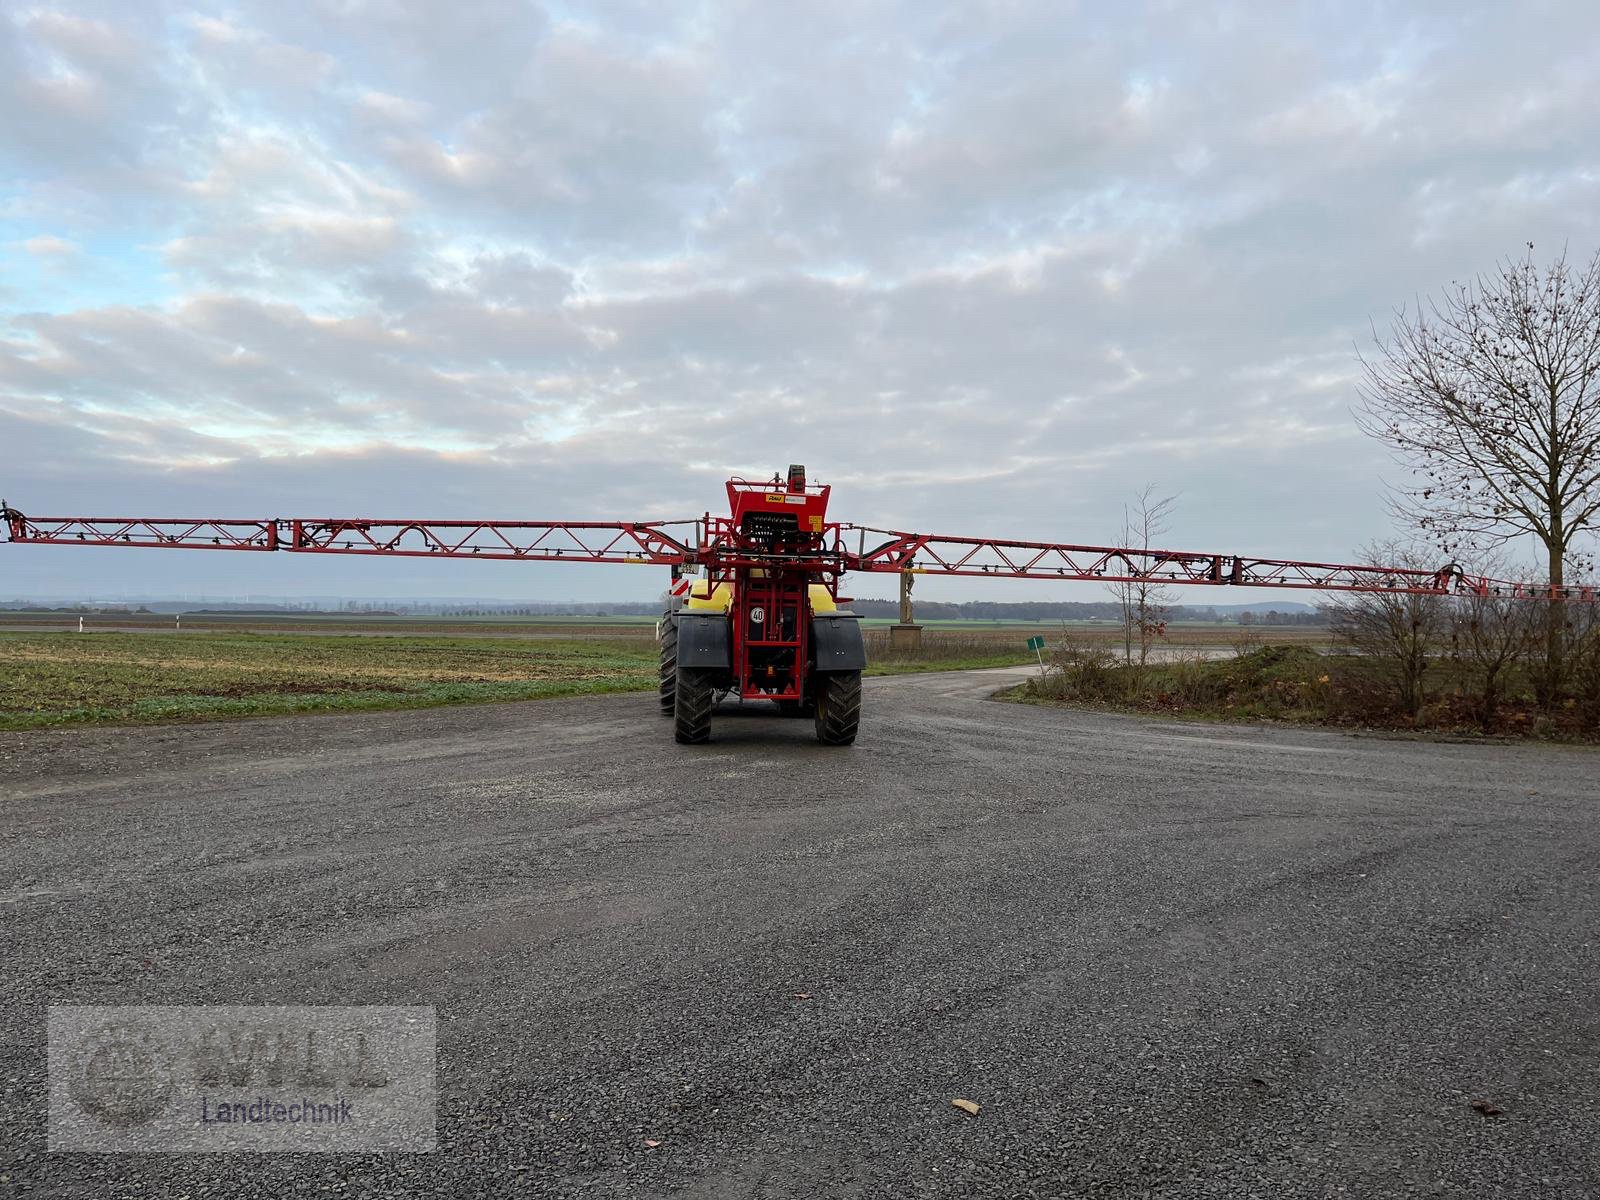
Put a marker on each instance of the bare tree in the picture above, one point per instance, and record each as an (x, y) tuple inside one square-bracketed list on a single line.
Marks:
[(1144, 602), (1490, 394), (1398, 631), (1489, 635)]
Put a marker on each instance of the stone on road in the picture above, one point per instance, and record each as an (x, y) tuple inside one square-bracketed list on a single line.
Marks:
[(1162, 959)]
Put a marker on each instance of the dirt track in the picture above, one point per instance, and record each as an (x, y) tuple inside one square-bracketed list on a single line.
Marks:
[(1166, 959)]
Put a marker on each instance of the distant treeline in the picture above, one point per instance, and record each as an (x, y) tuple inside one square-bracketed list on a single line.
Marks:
[(596, 609), (1107, 610), (927, 610), (112, 610), (287, 612)]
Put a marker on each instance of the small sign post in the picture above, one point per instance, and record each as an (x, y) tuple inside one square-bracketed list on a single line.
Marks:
[(1036, 644)]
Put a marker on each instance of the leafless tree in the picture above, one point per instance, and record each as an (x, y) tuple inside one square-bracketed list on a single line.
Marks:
[(1490, 635), (1144, 602), (1490, 394), (1399, 632)]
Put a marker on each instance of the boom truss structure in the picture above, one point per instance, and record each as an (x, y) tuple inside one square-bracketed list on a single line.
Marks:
[(990, 558), (716, 544), (536, 541)]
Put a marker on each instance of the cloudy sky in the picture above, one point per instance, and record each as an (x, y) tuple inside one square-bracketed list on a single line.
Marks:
[(986, 267)]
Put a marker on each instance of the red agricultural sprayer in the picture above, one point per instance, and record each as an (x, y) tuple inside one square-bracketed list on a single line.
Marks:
[(754, 608)]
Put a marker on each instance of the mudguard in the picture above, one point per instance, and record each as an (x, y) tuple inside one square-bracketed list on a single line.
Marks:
[(837, 641), (703, 641)]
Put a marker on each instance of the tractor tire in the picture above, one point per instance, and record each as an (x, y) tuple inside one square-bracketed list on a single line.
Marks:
[(838, 702), (693, 698), (668, 689)]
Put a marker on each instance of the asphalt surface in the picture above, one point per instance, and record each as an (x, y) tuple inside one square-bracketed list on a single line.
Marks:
[(1165, 959)]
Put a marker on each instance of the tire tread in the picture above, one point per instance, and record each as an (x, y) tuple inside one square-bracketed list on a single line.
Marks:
[(838, 714), (692, 703), (667, 689)]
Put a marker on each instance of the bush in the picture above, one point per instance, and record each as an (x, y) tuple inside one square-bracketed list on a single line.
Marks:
[(1298, 683), (1082, 670), (1272, 681), (1585, 673)]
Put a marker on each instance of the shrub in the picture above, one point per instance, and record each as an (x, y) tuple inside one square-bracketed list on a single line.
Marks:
[(1082, 670)]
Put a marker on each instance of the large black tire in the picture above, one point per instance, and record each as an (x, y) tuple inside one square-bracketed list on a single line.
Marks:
[(838, 696), (668, 689), (691, 709)]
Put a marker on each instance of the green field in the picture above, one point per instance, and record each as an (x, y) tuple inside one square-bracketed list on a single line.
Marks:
[(69, 678), (360, 662), (56, 679)]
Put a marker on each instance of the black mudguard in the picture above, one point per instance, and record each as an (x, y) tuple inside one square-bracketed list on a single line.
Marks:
[(837, 642), (704, 643)]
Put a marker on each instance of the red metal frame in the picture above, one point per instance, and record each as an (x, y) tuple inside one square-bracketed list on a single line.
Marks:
[(538, 541), (775, 543), (647, 542), (729, 552), (211, 533), (938, 554)]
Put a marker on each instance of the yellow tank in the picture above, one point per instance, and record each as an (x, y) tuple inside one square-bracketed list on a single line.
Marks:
[(705, 597)]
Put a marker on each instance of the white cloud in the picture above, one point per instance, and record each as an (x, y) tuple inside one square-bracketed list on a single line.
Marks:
[(986, 267), (48, 246)]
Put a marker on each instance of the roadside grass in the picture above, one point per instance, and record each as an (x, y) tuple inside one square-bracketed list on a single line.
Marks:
[(1273, 683), (1298, 684), (947, 649), (913, 666), (952, 647)]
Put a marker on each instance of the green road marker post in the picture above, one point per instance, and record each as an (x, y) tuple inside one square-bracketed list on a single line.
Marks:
[(1036, 644)]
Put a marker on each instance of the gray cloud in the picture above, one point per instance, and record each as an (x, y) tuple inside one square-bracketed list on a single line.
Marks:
[(988, 268)]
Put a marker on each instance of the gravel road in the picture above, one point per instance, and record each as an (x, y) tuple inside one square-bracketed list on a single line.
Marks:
[(1165, 959)]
